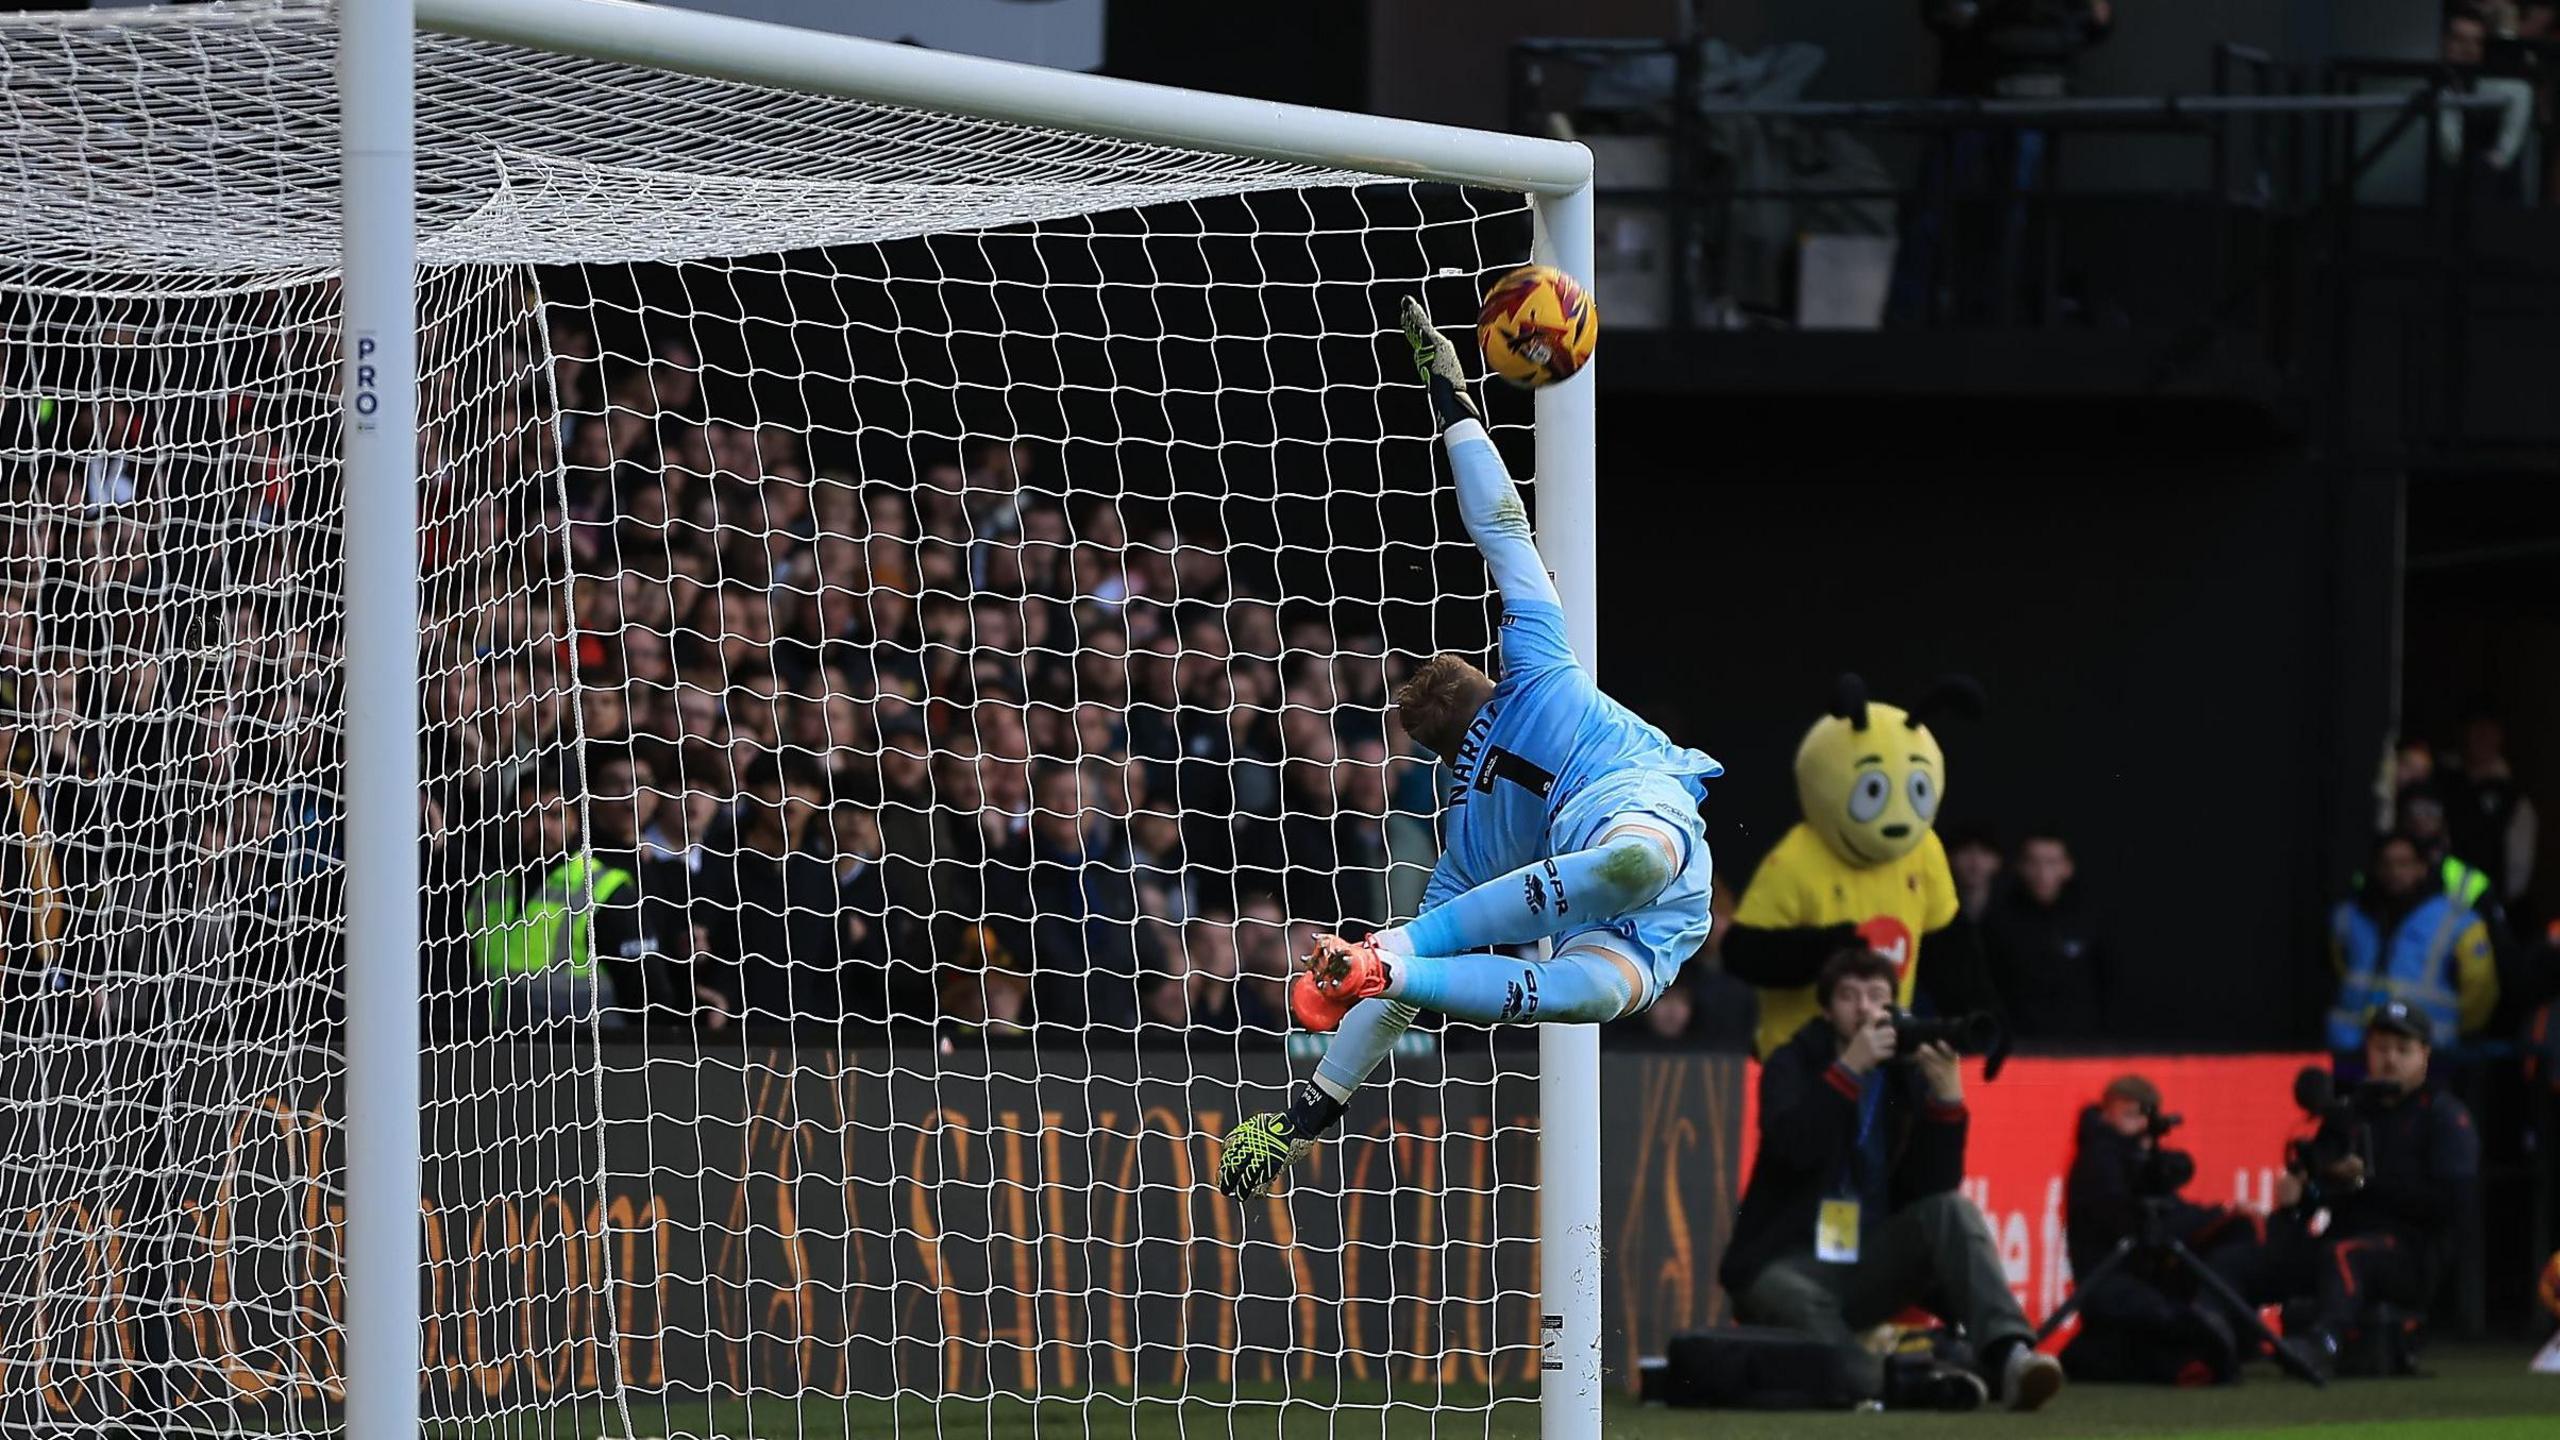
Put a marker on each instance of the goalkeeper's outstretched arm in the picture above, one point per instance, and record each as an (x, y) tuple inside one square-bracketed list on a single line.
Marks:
[(1496, 520), (1487, 499)]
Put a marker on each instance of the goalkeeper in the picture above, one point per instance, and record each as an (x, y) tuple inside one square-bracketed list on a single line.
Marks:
[(1568, 820)]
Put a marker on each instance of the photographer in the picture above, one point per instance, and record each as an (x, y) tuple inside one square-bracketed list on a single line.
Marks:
[(2396, 1165), (1852, 1213), (2145, 1319)]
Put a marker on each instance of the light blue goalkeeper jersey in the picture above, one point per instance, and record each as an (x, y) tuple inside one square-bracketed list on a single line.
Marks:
[(1545, 736)]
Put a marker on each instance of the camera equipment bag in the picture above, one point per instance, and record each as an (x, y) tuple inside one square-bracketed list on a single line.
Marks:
[(1755, 1368)]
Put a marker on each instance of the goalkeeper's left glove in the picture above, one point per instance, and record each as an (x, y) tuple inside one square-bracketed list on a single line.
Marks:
[(1437, 359)]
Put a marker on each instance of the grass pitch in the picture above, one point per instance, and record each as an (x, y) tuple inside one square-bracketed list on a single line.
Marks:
[(2470, 1393)]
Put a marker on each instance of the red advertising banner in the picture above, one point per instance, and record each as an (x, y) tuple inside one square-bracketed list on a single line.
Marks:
[(2239, 1111)]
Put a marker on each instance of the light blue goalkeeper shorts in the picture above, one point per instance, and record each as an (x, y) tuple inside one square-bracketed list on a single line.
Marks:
[(1664, 934)]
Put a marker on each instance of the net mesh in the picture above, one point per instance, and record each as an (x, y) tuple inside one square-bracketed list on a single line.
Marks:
[(908, 606)]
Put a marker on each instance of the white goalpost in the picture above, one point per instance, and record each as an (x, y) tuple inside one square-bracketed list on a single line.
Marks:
[(672, 690), (378, 397)]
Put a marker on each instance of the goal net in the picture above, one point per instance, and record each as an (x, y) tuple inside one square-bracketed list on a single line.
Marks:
[(908, 608)]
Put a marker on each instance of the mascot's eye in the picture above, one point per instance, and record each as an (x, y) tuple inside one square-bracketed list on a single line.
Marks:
[(1867, 798), (1924, 795)]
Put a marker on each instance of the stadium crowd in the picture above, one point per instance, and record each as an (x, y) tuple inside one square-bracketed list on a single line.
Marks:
[(948, 743), (951, 744)]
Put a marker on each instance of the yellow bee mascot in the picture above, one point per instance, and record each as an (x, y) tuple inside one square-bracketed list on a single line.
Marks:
[(1863, 866)]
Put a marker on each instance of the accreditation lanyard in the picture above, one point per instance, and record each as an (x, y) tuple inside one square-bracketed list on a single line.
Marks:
[(1835, 1229)]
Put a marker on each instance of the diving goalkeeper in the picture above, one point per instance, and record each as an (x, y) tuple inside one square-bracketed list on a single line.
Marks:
[(1568, 819)]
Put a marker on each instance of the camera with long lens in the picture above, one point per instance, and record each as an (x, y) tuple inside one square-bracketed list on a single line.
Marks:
[(1976, 1034), (2164, 1171), (1973, 1034), (2341, 1136)]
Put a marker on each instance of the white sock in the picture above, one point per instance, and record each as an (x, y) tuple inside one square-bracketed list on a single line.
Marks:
[(1397, 946), (1340, 1093), (1465, 430), (1395, 977)]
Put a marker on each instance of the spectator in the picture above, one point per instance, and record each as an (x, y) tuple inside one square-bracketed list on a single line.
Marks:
[(1253, 726), (228, 954), (2425, 820), (651, 964), (33, 908), (1199, 573), (2413, 762), (998, 477), (674, 381), (2491, 141), (1412, 834), (1975, 863), (2492, 822), (792, 956), (1263, 965), (1973, 856), (1205, 737), (2401, 939), (1163, 1004), (2539, 20), (119, 441), (2466, 33), (2049, 959), (693, 863), (573, 371), (881, 952), (1299, 856), (1209, 968), (1087, 947), (1852, 1213), (986, 987), (1360, 843), (981, 870), (604, 714), (839, 720), (1156, 861), (313, 823), (915, 828), (1054, 557), (536, 941)]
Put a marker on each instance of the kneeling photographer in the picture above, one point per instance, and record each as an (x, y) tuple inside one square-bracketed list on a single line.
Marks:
[(2146, 1259), (1853, 1215), (2396, 1164)]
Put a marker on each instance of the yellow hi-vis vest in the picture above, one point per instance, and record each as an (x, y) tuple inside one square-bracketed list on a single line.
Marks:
[(2463, 884), (524, 936)]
